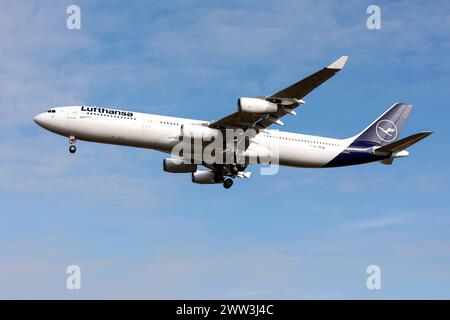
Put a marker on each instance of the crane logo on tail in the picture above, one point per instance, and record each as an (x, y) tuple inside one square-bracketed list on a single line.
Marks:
[(386, 130)]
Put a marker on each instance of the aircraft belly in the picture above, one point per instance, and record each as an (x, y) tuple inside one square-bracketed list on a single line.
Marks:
[(305, 155)]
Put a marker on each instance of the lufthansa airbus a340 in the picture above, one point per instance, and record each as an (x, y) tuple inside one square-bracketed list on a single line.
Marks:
[(258, 144)]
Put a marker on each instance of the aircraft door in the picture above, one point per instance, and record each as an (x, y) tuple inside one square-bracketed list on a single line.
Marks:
[(147, 123), (73, 117)]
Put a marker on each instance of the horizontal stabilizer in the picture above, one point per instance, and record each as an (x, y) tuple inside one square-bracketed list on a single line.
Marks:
[(404, 143), (387, 161)]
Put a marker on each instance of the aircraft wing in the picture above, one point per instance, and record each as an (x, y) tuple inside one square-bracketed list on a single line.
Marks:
[(287, 99)]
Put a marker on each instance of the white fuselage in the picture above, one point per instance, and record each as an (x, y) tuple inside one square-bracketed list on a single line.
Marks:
[(162, 133)]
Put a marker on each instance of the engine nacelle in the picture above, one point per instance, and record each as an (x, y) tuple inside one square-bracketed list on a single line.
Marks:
[(256, 105), (192, 131), (204, 177), (178, 166)]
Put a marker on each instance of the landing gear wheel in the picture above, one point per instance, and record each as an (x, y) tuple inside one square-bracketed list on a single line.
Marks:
[(234, 170), (72, 149), (241, 167), (227, 183)]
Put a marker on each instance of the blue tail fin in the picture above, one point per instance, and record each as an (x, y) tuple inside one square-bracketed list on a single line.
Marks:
[(386, 129)]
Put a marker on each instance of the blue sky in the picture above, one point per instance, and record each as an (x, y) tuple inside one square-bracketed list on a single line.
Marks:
[(137, 232)]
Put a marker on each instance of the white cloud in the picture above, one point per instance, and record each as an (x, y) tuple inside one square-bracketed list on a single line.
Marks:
[(377, 222)]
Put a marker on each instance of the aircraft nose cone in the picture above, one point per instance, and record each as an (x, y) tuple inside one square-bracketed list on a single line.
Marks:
[(39, 119)]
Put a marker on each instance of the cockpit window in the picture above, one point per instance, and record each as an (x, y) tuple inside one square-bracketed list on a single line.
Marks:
[(51, 111)]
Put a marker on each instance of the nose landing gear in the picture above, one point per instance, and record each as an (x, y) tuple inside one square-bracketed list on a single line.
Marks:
[(72, 147)]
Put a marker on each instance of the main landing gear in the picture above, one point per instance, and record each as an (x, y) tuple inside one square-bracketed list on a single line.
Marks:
[(235, 169), (221, 173), (72, 147), (227, 183)]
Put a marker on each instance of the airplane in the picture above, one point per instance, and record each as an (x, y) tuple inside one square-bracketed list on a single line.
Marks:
[(258, 144)]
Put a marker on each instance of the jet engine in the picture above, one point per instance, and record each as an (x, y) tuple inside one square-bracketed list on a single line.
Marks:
[(256, 105), (205, 177), (178, 166)]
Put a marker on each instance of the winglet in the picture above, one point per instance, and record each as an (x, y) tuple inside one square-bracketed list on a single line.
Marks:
[(339, 63)]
